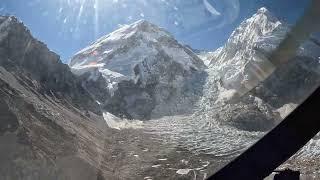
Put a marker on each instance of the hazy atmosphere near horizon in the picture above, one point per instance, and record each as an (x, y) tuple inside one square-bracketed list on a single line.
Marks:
[(67, 26)]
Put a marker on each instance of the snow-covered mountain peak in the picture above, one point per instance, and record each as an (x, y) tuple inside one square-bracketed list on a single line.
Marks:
[(122, 49), (264, 13), (140, 27), (8, 23), (142, 30), (263, 10), (244, 37), (249, 31), (238, 60), (146, 26), (140, 55), (8, 19)]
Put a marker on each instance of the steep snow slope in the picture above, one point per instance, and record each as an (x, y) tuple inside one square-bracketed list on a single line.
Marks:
[(242, 63), (206, 57), (146, 58), (238, 63), (123, 49)]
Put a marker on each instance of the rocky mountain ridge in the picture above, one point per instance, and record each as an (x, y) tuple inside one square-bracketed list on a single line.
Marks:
[(23, 55), (243, 60)]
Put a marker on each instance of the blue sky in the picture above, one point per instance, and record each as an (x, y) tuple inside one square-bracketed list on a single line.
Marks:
[(67, 26)]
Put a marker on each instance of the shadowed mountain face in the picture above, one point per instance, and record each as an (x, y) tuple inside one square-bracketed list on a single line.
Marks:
[(38, 67), (148, 74), (43, 109), (60, 123)]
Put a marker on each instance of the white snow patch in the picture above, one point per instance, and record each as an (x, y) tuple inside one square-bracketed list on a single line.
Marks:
[(207, 57), (117, 123), (185, 162), (183, 171), (227, 95), (107, 74), (180, 56), (286, 109), (79, 69), (156, 166), (205, 164), (163, 159), (108, 51)]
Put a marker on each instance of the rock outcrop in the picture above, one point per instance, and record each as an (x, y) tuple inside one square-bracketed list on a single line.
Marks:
[(40, 68), (50, 127)]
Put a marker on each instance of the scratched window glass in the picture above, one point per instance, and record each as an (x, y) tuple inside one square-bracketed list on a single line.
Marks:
[(158, 89)]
